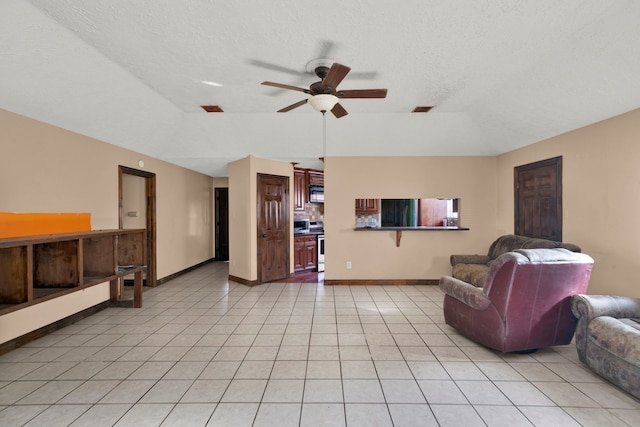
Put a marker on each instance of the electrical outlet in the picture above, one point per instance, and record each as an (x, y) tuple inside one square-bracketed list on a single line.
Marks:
[(348, 265)]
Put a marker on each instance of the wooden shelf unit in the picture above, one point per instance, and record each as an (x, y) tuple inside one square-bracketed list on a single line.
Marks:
[(38, 268)]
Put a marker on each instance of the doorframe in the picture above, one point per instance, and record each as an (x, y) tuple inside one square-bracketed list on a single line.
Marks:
[(150, 195), (555, 162)]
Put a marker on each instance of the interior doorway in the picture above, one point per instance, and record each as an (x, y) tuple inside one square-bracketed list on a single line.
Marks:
[(538, 199), (273, 227), (222, 224), (137, 209)]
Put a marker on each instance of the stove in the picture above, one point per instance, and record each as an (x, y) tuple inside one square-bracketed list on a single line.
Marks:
[(320, 252)]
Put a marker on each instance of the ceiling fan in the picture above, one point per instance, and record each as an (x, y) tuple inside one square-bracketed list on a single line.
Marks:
[(325, 94)]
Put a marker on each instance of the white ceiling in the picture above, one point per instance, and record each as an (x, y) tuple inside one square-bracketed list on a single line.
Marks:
[(501, 73)]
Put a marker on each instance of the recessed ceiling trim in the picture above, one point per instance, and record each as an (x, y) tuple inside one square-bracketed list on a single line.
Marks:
[(422, 109), (212, 108)]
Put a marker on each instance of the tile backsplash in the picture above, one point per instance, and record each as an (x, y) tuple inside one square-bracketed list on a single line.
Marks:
[(312, 212)]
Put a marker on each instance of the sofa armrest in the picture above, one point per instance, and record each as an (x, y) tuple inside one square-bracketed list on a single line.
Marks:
[(592, 306), (464, 292), (588, 307), (469, 259)]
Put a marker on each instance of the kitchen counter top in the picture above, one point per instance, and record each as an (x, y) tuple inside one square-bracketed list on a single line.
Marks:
[(399, 228), (309, 233)]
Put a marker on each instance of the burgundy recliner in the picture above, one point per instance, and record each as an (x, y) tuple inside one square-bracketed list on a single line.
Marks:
[(525, 303)]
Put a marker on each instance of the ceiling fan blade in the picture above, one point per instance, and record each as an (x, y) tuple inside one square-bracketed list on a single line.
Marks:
[(362, 93), (339, 111), (326, 47), (336, 74), (275, 67), (292, 106), (363, 75), (283, 86)]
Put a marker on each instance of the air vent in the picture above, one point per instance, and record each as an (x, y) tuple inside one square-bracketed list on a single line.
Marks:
[(212, 108), (422, 109)]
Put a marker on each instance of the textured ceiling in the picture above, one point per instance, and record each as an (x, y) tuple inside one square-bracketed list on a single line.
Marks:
[(501, 73)]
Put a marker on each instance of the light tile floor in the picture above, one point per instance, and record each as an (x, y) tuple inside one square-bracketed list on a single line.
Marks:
[(206, 351)]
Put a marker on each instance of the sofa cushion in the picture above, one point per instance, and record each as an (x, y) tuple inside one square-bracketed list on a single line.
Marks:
[(549, 255), (634, 323), (474, 269), (504, 244), (474, 274), (511, 242), (621, 337)]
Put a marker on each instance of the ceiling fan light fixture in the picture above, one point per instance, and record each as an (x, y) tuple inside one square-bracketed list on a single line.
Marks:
[(323, 102)]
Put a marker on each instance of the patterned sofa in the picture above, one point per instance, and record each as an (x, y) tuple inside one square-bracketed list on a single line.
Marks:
[(473, 269), (608, 338)]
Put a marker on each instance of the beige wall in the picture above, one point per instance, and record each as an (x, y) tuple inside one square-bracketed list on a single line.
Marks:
[(422, 254), (601, 177), (243, 238), (21, 322), (134, 201), (44, 168)]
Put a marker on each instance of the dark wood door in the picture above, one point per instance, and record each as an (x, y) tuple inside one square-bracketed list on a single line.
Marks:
[(273, 227), (222, 224), (538, 199)]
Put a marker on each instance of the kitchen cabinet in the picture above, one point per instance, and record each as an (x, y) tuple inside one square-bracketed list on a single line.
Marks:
[(300, 189), (316, 177), (305, 253), (367, 206), (302, 179)]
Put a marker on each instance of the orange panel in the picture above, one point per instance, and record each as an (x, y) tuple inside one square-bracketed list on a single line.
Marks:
[(33, 224)]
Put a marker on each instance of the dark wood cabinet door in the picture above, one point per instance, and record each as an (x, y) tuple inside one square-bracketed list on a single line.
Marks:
[(305, 253), (311, 254), (367, 206), (300, 190), (316, 177), (538, 199), (298, 254)]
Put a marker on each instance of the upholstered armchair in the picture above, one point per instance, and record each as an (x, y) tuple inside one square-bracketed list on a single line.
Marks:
[(525, 301), (608, 338)]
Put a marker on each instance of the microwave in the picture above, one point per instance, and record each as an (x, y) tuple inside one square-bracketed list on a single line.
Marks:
[(301, 226), (316, 194)]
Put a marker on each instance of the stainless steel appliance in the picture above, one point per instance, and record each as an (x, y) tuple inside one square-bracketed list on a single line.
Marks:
[(320, 252), (301, 226), (316, 194)]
